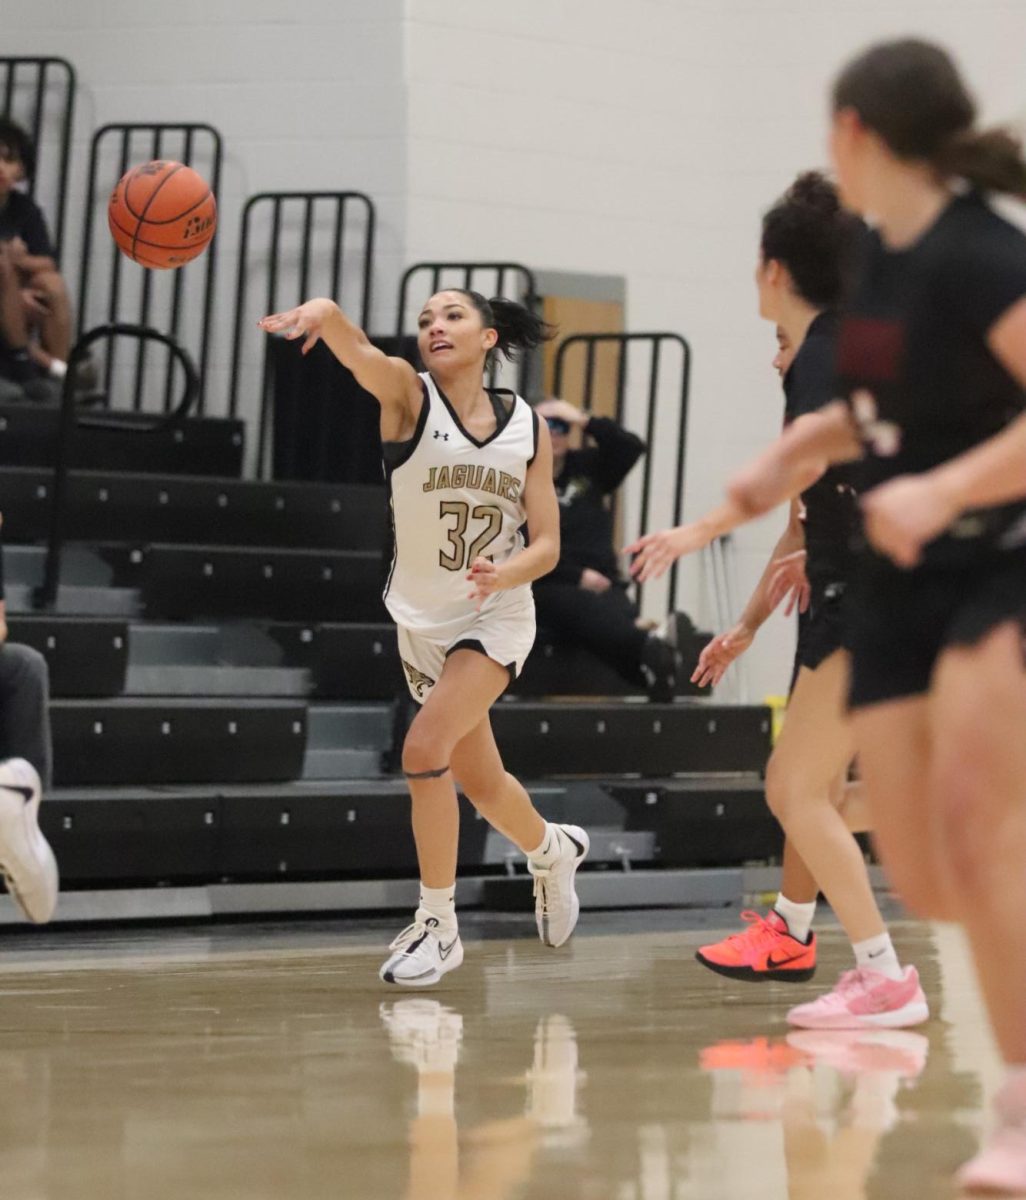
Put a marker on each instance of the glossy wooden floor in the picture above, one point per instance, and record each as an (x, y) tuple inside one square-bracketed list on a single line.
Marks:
[(267, 1061)]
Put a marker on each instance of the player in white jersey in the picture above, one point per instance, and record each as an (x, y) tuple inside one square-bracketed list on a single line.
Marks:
[(468, 469)]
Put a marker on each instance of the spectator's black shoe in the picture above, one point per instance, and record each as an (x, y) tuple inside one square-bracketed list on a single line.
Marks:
[(659, 663)]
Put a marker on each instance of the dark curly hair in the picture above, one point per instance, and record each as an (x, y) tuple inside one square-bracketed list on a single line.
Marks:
[(808, 232), (517, 326)]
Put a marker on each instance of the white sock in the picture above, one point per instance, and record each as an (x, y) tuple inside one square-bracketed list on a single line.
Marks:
[(550, 849), (439, 903), (878, 954), (798, 916), (58, 368)]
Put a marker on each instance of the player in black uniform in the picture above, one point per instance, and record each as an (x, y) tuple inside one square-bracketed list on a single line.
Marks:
[(932, 363), (805, 252)]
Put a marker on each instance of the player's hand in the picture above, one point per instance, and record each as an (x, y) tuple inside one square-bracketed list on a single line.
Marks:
[(901, 516), (594, 581), (485, 578), (17, 251), (563, 410), (789, 579), (304, 322), (720, 653), (655, 553)]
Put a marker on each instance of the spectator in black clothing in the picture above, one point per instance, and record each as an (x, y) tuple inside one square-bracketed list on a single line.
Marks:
[(35, 309), (585, 600)]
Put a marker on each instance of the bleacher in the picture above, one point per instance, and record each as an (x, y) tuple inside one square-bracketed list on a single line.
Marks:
[(225, 678)]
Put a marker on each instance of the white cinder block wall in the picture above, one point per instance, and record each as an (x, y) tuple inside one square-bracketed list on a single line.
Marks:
[(641, 140)]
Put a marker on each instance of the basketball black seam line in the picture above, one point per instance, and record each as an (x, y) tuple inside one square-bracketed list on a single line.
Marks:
[(184, 213), (136, 240), (153, 196), (132, 175)]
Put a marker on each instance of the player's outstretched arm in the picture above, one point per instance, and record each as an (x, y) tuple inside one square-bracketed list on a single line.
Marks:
[(392, 381), (542, 554)]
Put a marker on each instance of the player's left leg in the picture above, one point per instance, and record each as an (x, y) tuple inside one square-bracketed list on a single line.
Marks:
[(554, 852), (54, 322), (978, 784)]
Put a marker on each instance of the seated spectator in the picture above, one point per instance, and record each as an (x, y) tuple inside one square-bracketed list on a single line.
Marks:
[(26, 859), (35, 309), (584, 600)]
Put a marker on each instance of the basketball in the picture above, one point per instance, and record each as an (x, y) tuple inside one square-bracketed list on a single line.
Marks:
[(162, 214)]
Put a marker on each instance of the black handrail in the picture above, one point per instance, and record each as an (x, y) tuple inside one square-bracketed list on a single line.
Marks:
[(590, 341), (46, 595), (42, 65), (278, 201), (527, 294)]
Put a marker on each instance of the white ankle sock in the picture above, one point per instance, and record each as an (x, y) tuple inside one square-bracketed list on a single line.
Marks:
[(878, 954), (439, 903), (799, 917), (550, 849)]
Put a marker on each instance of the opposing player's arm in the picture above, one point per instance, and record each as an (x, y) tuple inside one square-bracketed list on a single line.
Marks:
[(542, 509), (801, 454), (392, 381)]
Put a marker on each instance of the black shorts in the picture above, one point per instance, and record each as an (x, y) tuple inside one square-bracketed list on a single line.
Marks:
[(899, 622), (820, 628)]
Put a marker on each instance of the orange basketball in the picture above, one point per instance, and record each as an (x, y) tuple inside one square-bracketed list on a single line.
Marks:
[(162, 214)]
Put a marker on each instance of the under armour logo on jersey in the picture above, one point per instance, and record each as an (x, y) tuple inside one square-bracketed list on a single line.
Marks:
[(440, 434)]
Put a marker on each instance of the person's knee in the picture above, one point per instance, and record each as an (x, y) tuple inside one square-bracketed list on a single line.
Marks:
[(426, 752)]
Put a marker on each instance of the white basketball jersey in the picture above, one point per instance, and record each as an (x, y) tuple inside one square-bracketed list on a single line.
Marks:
[(454, 498)]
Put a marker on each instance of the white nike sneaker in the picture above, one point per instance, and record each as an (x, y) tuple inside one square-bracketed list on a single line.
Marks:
[(556, 907), (26, 860), (423, 953)]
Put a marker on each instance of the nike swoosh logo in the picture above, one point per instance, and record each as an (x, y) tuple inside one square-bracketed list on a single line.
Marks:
[(580, 848), (445, 951), (25, 793), (773, 963)]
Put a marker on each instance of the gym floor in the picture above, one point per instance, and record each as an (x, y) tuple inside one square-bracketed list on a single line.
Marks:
[(266, 1060)]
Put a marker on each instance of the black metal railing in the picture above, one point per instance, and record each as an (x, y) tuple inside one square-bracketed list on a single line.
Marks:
[(71, 419), (656, 398), (510, 280), (308, 252), (27, 85), (184, 296)]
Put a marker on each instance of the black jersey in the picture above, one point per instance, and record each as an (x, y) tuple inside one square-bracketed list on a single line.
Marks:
[(914, 364), (831, 508)]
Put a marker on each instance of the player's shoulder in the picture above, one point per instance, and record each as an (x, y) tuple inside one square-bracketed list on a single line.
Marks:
[(972, 225)]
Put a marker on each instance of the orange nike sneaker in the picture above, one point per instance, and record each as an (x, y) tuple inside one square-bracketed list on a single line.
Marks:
[(764, 951)]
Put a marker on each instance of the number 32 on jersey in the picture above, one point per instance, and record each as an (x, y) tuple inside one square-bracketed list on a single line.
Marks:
[(459, 551)]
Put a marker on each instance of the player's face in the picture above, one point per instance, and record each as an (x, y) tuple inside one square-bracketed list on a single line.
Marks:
[(784, 356), (451, 334)]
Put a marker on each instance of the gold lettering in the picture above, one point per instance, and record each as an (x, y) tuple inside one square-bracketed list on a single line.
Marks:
[(474, 474), (459, 475), (504, 484), (430, 485), (488, 483), (443, 478)]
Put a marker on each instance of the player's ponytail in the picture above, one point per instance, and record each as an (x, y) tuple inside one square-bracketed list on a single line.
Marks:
[(910, 93), (518, 328)]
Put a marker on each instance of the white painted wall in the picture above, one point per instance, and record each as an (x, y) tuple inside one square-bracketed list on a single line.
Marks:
[(645, 139), (311, 99), (639, 139)]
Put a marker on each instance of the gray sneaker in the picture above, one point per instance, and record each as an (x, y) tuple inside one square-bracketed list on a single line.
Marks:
[(556, 906)]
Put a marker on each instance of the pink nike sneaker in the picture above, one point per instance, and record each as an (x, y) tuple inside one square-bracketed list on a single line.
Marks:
[(865, 999), (1000, 1167)]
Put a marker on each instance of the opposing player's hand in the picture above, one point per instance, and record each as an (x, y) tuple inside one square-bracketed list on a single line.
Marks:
[(304, 322), (594, 581), (485, 578), (788, 579), (720, 653), (655, 553), (17, 251), (906, 513)]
